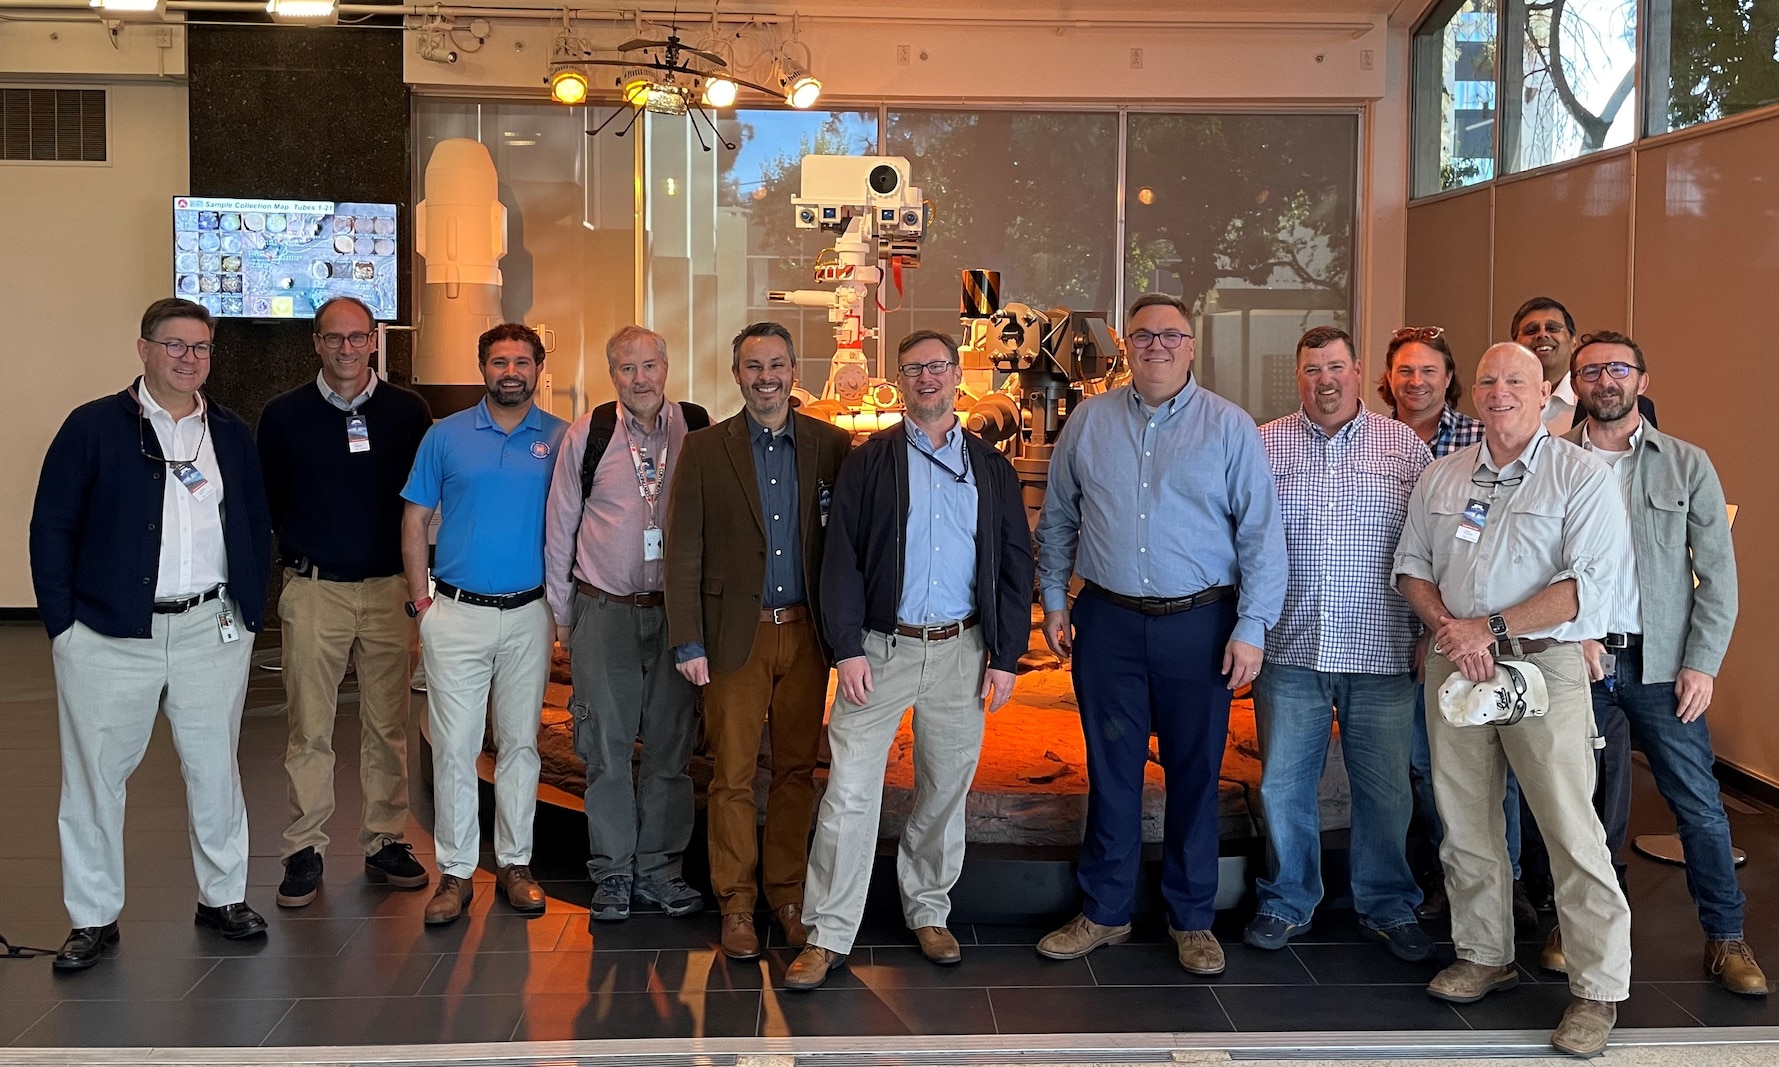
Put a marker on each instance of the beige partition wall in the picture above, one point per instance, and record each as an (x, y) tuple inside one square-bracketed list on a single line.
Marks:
[(1675, 241)]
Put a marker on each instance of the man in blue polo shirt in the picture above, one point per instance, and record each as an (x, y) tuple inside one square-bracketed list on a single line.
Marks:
[(490, 628)]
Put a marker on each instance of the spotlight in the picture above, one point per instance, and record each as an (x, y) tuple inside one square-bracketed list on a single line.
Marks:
[(312, 12), (130, 10), (800, 88), (434, 49), (719, 92), (635, 86), (568, 86)]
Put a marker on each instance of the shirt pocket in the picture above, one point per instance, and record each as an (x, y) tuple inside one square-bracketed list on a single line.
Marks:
[(1537, 533), (1667, 515)]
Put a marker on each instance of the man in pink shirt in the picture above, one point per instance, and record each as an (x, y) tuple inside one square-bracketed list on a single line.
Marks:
[(603, 547)]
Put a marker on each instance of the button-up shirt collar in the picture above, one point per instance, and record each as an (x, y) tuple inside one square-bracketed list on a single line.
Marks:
[(327, 393)]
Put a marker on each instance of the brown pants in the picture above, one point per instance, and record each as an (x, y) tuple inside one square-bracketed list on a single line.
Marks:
[(784, 683)]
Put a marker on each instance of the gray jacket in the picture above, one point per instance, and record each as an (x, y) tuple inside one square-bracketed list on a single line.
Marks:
[(1680, 530)]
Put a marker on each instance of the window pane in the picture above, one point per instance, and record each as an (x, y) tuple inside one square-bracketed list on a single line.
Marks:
[(1709, 59), (1454, 106), (1576, 75), (1249, 219)]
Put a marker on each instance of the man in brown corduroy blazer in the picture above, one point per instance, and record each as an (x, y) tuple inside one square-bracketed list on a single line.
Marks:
[(746, 524)]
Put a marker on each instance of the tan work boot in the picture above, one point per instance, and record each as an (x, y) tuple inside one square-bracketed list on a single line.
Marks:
[(812, 967), (1079, 936), (449, 899), (1465, 982), (1732, 964), (1585, 1027), (1551, 957), (790, 920), (1198, 950), (522, 890), (740, 940)]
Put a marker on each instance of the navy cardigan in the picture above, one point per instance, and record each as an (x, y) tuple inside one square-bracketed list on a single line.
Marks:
[(95, 537)]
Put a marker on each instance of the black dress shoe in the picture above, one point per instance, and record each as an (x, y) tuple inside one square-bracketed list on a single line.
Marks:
[(233, 921), (84, 946)]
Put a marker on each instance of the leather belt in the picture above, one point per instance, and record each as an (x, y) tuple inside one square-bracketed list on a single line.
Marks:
[(780, 616), (1153, 605), (304, 567), (1514, 647), (1622, 641), (636, 600), (185, 604), (505, 602), (937, 633)]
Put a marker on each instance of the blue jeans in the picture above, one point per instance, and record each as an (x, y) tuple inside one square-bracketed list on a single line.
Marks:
[(1294, 707), (1681, 760), (1421, 772)]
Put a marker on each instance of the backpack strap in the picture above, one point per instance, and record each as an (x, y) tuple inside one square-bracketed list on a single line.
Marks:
[(600, 427), (696, 417)]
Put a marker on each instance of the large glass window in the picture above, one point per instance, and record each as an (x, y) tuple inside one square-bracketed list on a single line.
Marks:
[(1709, 59), (1574, 66), (1249, 219), (1455, 58)]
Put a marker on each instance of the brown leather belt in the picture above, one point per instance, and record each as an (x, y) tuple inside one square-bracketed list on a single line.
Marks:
[(780, 616), (636, 600), (1151, 605), (937, 633), (1505, 648)]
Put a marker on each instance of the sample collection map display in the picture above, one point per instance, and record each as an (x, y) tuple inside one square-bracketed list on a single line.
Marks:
[(280, 259)]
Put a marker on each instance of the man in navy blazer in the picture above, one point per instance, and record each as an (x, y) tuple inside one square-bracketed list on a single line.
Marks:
[(150, 548)]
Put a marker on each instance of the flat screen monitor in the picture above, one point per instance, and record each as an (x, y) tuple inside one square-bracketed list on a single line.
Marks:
[(282, 259)]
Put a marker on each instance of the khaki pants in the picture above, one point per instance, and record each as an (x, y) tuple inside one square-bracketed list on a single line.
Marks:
[(784, 684), (1553, 758), (108, 691), (325, 624), (942, 681)]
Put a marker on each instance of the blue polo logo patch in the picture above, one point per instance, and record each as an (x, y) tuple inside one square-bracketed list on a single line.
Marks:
[(540, 449)]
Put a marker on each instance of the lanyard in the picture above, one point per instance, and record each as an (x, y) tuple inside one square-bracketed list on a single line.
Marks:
[(963, 452), (649, 487)]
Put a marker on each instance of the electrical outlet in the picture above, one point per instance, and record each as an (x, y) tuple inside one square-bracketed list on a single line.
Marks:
[(1365, 60), (1136, 59), (904, 55), (163, 37)]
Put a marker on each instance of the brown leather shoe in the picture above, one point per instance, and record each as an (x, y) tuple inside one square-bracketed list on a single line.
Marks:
[(522, 890), (449, 899), (1079, 936), (1551, 957), (1732, 964), (740, 940), (812, 967), (937, 944), (1198, 950), (790, 918), (1465, 982), (1585, 1027)]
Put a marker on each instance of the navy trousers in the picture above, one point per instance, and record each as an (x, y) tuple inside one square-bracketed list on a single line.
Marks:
[(1137, 675)]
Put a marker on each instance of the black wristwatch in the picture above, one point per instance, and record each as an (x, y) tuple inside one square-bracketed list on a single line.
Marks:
[(415, 607), (1498, 626)]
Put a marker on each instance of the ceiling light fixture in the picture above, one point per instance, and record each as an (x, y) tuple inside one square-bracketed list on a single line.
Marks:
[(801, 89), (568, 86), (720, 91), (130, 10), (307, 12)]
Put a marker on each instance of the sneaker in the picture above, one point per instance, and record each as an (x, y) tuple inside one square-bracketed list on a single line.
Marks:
[(672, 896), (302, 879), (395, 863), (1271, 932), (1406, 942), (611, 899)]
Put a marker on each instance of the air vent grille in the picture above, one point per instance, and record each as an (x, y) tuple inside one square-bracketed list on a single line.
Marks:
[(52, 125)]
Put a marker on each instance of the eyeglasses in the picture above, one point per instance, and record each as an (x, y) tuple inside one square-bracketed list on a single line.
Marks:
[(1618, 369), (178, 349), (1418, 333), (1147, 338), (935, 368), (1497, 482), (333, 342), (142, 442)]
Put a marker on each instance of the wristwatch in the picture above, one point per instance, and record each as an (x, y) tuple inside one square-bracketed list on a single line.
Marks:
[(415, 607), (1498, 626)]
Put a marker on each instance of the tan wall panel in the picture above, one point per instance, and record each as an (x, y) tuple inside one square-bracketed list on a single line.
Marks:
[(1449, 275), (1707, 262), (1565, 235)]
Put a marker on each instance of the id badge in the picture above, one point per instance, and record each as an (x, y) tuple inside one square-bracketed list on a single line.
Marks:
[(652, 544), (1476, 516), (225, 625), (358, 434), (825, 497), (200, 487)]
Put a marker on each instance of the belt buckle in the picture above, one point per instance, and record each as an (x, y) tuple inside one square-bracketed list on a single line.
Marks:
[(1617, 641), (776, 621)]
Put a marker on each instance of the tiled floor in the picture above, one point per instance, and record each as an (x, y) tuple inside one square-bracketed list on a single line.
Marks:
[(358, 967)]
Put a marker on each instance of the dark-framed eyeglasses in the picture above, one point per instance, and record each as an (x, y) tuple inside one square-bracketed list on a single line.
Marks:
[(1617, 368), (1497, 482), (935, 368), (142, 442), (178, 349), (1148, 338), (1418, 333), (334, 342)]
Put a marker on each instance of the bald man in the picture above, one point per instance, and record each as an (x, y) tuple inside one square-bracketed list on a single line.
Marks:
[(1511, 550)]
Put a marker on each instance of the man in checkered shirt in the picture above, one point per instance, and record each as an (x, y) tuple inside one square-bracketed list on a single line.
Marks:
[(1343, 649)]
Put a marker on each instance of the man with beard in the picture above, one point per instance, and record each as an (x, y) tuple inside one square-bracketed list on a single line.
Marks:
[(1654, 672), (1546, 327), (488, 630), (746, 523), (928, 583), (1508, 552), (1343, 650)]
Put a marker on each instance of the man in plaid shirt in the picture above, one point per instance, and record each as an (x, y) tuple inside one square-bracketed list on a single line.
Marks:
[(1343, 649)]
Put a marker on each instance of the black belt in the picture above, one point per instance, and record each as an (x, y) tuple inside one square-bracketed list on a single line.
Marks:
[(1622, 641), (304, 567), (180, 607), (1154, 605), (649, 599), (505, 602)]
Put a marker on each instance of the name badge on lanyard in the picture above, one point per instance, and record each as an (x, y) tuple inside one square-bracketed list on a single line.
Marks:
[(358, 433), (200, 487), (650, 477), (1476, 516)]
